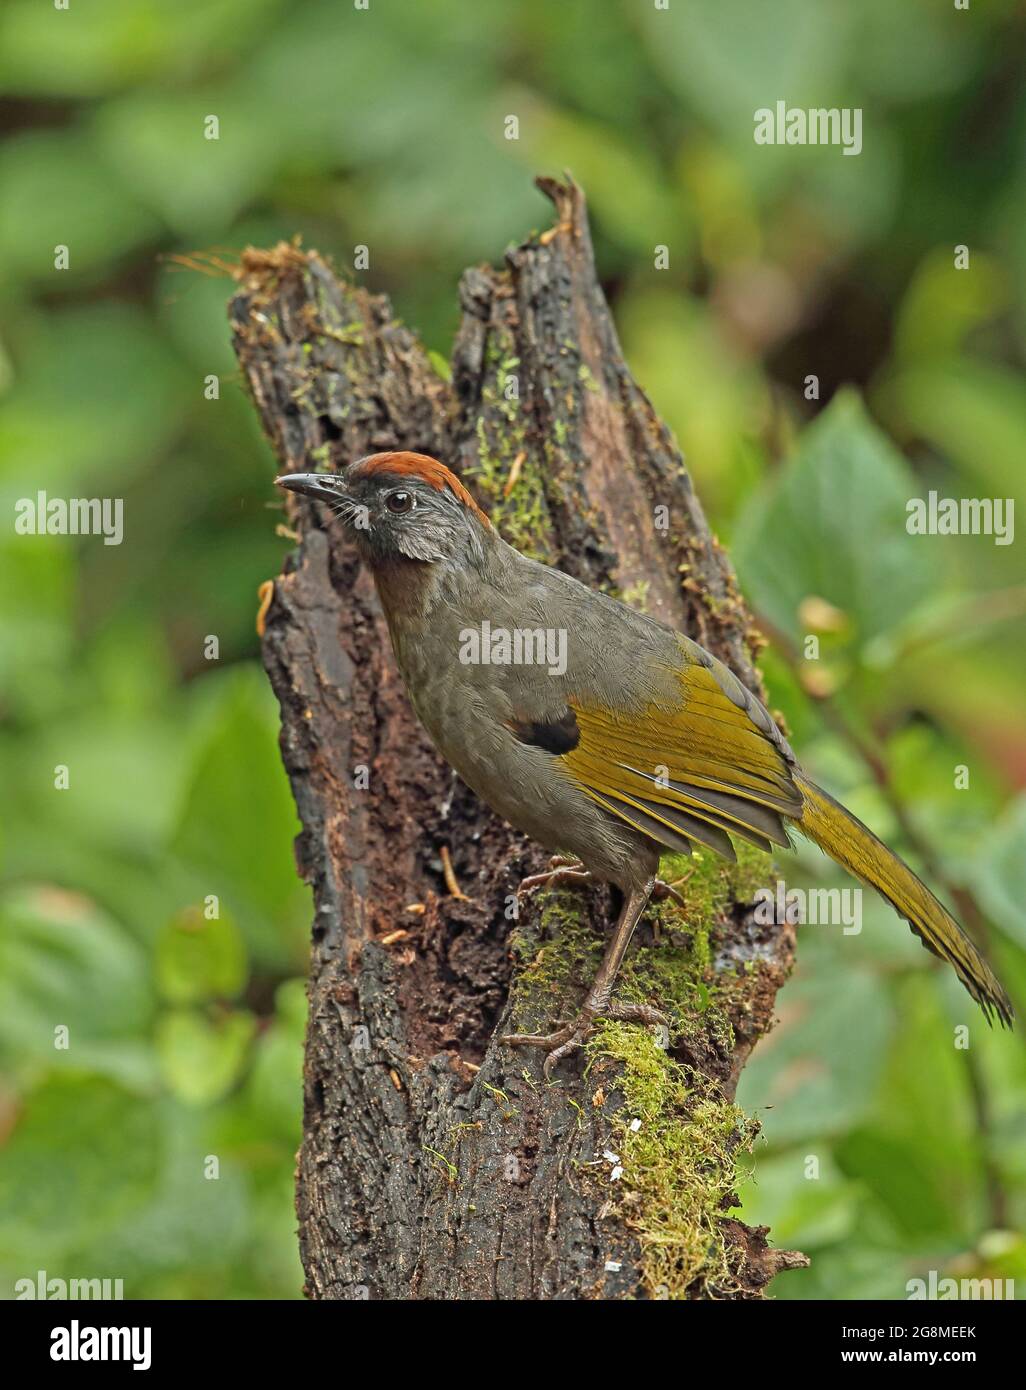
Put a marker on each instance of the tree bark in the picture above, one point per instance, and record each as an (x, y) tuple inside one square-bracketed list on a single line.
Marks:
[(435, 1162)]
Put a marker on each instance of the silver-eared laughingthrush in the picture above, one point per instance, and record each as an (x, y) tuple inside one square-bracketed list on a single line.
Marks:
[(635, 740)]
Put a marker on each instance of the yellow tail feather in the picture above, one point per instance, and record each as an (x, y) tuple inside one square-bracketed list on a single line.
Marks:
[(853, 846)]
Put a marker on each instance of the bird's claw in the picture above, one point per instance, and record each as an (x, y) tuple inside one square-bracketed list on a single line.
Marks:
[(572, 1035), (571, 873), (561, 873), (556, 1045), (661, 890)]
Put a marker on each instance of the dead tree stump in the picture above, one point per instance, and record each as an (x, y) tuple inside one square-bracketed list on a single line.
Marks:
[(435, 1162)]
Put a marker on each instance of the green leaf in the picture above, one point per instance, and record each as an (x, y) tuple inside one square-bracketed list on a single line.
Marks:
[(808, 1070), (919, 1149), (802, 1211), (96, 217), (64, 963), (999, 872), (82, 1160), (709, 395), (84, 51), (200, 1059), (198, 1219), (157, 141), (83, 368), (942, 306), (904, 1178), (124, 776), (199, 958), (729, 59), (237, 821), (274, 1087), (36, 617), (833, 526), (970, 409)]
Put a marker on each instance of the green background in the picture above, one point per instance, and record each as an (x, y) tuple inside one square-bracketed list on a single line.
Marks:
[(385, 128)]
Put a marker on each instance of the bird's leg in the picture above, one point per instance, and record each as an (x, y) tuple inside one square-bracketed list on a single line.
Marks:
[(599, 1002)]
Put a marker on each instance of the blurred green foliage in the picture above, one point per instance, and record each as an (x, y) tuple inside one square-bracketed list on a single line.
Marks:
[(886, 1152)]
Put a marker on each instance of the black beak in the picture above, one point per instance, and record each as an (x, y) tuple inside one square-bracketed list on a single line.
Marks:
[(326, 487)]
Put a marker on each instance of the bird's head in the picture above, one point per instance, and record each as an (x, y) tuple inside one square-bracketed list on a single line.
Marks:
[(400, 506)]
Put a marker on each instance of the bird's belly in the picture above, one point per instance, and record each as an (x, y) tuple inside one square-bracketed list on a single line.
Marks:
[(530, 788)]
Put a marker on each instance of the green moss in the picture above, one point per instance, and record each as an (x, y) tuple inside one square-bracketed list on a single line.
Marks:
[(506, 1107), (674, 972), (442, 1165), (351, 334), (556, 957), (679, 1164), (440, 365), (521, 517), (559, 953), (709, 884)]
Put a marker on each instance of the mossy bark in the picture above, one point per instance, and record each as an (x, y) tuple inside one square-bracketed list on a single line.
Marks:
[(435, 1162)]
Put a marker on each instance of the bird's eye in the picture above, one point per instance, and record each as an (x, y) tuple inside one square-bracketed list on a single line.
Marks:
[(400, 501)]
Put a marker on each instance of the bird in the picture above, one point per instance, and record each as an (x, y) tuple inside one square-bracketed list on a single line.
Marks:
[(603, 734)]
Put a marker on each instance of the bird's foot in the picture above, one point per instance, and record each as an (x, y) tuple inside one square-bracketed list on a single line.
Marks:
[(571, 873), (561, 873), (662, 890), (570, 1037)]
